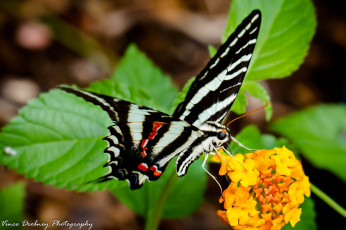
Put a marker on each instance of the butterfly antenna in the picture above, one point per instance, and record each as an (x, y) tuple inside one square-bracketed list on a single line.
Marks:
[(212, 176), (253, 111), (235, 140)]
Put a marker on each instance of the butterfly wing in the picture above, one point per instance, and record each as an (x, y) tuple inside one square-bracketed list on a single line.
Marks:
[(142, 141), (212, 94)]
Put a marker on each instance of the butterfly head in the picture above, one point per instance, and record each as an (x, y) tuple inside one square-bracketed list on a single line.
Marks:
[(222, 134), (216, 135)]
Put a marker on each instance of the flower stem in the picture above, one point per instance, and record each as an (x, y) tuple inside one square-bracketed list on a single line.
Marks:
[(153, 218), (328, 200)]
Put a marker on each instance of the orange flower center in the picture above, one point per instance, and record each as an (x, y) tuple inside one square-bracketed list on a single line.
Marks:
[(271, 192)]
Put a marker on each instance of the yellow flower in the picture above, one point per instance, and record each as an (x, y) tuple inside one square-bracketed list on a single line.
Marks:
[(284, 161), (292, 213), (266, 189), (299, 189), (242, 171)]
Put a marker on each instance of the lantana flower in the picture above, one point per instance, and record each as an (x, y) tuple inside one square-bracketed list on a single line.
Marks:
[(266, 189)]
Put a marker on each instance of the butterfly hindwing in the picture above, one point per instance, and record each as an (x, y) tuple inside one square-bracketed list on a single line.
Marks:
[(148, 155), (132, 160), (212, 94)]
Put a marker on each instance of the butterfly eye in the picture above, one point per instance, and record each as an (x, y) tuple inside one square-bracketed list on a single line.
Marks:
[(221, 135)]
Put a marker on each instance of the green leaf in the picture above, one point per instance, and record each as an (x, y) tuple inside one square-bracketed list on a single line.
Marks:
[(175, 197), (182, 94), (57, 139), (251, 137), (12, 200), (320, 134), (286, 30), (187, 194), (255, 89), (136, 70), (240, 103), (307, 218), (212, 51)]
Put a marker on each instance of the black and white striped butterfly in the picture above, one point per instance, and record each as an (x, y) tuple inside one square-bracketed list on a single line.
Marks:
[(143, 141)]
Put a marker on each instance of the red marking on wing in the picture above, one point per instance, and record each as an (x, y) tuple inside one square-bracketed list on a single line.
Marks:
[(144, 143), (143, 167), (156, 127), (157, 172)]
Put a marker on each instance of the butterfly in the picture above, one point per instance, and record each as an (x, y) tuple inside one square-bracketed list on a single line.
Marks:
[(142, 141)]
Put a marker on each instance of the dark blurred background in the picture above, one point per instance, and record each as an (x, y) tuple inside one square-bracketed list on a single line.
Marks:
[(44, 43)]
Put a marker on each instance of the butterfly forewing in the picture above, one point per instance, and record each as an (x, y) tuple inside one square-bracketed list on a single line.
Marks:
[(213, 92)]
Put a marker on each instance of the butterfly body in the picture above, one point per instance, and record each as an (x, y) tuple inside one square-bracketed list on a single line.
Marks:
[(142, 141)]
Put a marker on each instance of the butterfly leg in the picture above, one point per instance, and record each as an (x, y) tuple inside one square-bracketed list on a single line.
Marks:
[(203, 166), (241, 145), (229, 153)]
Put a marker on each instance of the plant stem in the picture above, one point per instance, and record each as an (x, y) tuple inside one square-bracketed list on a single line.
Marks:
[(328, 200), (153, 219)]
